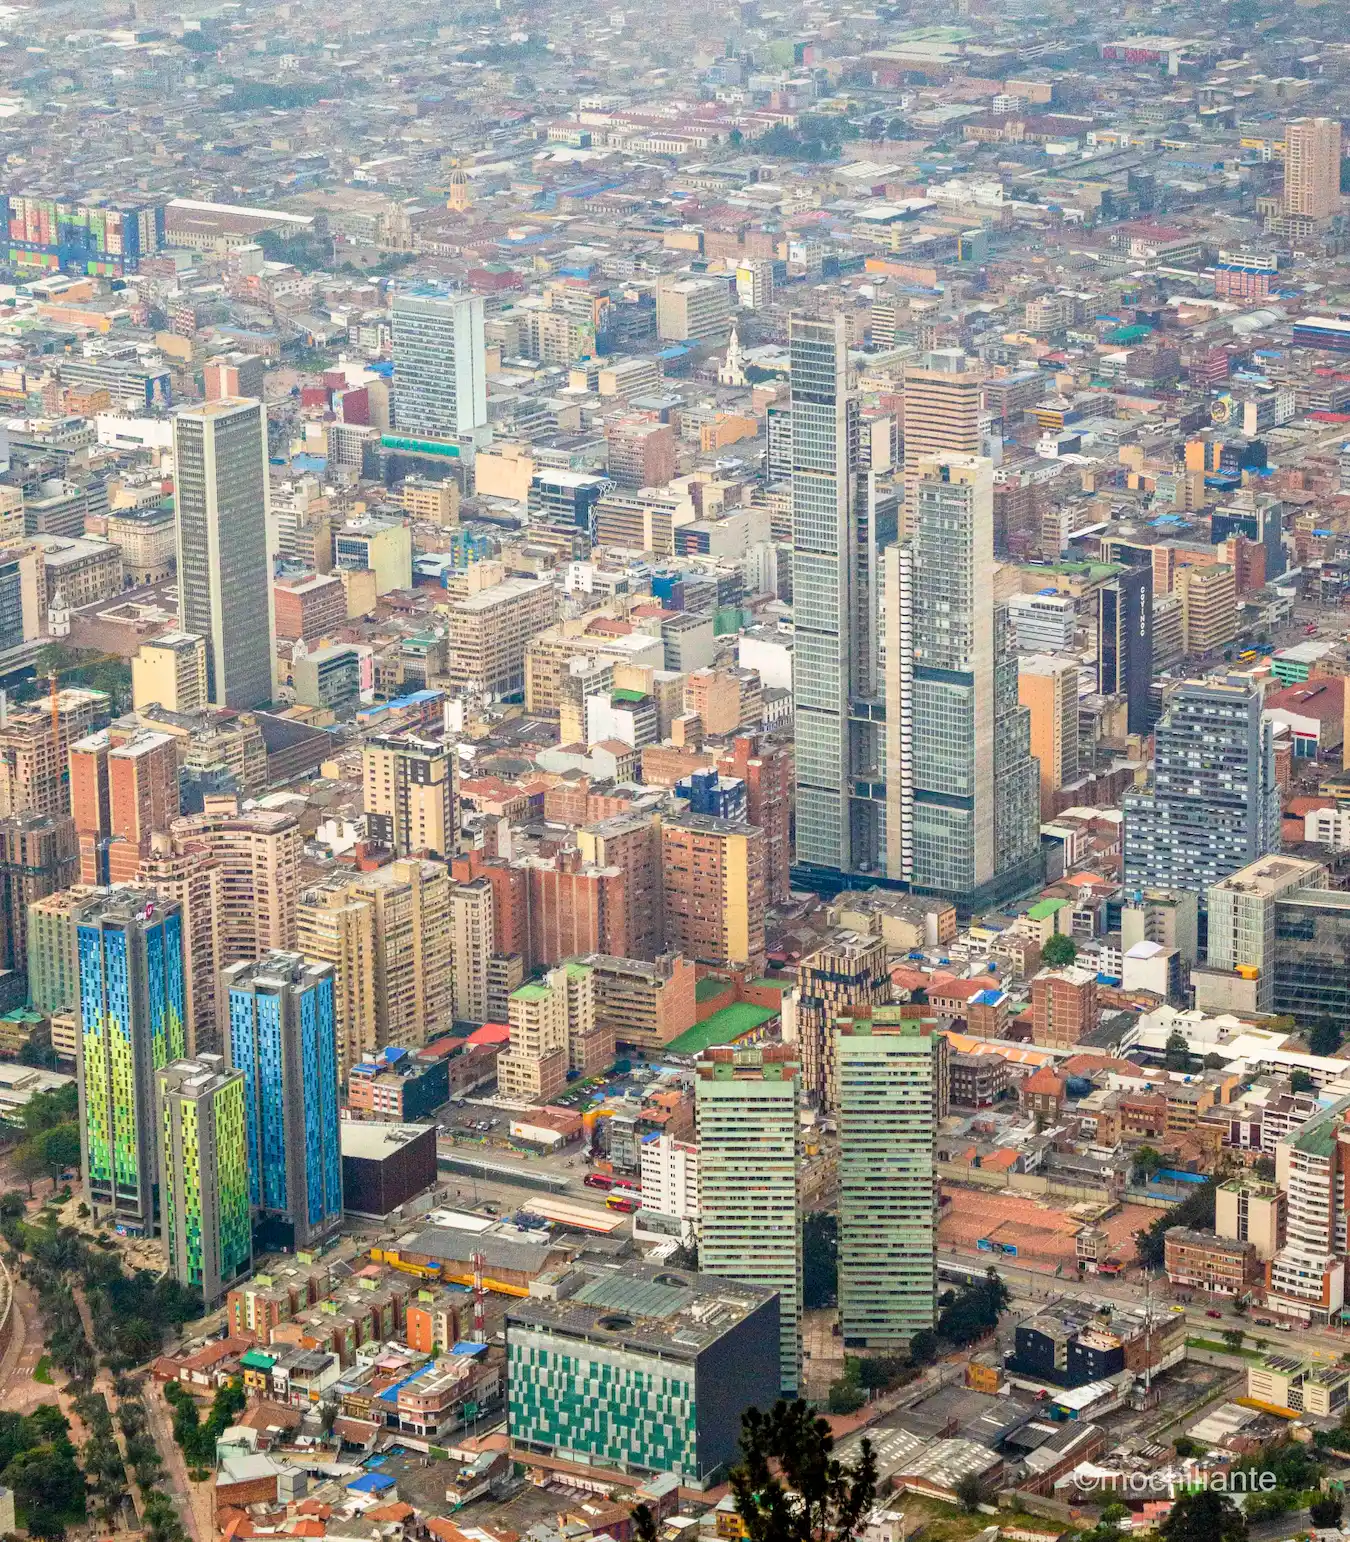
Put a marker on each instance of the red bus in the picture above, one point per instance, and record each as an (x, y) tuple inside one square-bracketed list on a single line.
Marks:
[(625, 1202), (625, 1185), (597, 1181)]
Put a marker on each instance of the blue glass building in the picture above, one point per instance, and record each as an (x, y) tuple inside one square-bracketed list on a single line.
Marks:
[(283, 1037)]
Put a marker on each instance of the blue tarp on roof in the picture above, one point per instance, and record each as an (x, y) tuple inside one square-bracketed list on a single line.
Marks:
[(371, 1483)]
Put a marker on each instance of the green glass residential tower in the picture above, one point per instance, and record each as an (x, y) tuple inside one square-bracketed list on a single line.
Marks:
[(892, 1092), (203, 1168), (129, 946), (747, 1102)]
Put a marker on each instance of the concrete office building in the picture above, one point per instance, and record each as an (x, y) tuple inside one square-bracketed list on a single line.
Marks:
[(1048, 688), (388, 936), (963, 815), (224, 570), (203, 1175), (1242, 912), (171, 670), (1312, 168), (471, 947), (713, 889), (892, 1093), (842, 978), (132, 1013), (840, 753), (638, 1368), (942, 415), (689, 310), (747, 1106), (1214, 806), (409, 794), (38, 858), (123, 790), (440, 365), (283, 1039)]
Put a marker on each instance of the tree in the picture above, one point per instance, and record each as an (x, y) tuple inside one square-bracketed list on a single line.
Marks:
[(1264, 1168), (1300, 1081), (1233, 1338), (923, 1348), (1058, 951), (969, 1493), (820, 1260), (973, 1311), (1325, 1511), (59, 1147), (789, 1487), (1325, 1039), (1147, 1161), (1184, 1446), (48, 1489), (1204, 1516), (1177, 1052), (1196, 1212)]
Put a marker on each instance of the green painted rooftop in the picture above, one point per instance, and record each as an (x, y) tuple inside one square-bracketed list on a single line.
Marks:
[(723, 1027)]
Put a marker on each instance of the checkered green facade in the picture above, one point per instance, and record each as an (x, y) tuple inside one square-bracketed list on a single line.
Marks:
[(611, 1407)]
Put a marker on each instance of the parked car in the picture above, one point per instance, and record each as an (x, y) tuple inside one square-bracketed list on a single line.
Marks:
[(1212, 1313)]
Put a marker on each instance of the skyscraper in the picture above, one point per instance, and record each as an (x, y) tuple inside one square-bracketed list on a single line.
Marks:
[(964, 802), (841, 807), (1125, 644), (132, 1014), (283, 1038), (203, 1175), (224, 561), (942, 414), (746, 1102), (891, 1081), (1214, 805), (440, 365), (1312, 167)]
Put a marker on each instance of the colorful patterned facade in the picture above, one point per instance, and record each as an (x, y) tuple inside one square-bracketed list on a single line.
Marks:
[(204, 1187), (132, 1014), (283, 1039)]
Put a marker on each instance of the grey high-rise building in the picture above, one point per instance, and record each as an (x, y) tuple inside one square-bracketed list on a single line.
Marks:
[(838, 711), (964, 801), (440, 365), (224, 561), (1214, 805)]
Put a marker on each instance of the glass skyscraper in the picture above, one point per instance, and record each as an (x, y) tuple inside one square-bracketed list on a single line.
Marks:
[(964, 815), (440, 365), (203, 1167), (1214, 805), (132, 1012), (838, 713), (283, 1041)]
